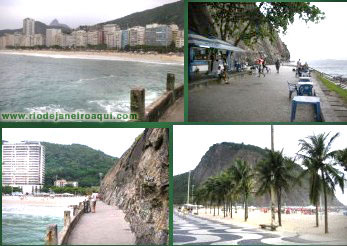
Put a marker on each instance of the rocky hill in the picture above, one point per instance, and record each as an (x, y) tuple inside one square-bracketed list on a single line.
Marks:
[(200, 21), (221, 156), (139, 185)]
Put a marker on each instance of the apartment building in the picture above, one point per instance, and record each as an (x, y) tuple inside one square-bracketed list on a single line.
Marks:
[(63, 183), (80, 38), (52, 37), (28, 26), (158, 35), (94, 37), (125, 38), (23, 165), (137, 35), (179, 42)]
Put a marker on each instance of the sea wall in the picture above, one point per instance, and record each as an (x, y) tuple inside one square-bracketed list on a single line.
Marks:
[(138, 184)]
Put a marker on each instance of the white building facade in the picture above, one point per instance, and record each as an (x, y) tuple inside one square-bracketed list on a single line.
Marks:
[(28, 26), (23, 165)]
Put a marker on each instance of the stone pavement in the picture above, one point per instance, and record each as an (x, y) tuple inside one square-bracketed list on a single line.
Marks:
[(175, 113), (192, 230), (105, 227), (252, 99)]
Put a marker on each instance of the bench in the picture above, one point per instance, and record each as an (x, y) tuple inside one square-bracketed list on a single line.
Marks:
[(272, 227)]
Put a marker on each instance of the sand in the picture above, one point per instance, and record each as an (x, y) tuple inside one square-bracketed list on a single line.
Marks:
[(42, 201), (303, 225), (103, 55)]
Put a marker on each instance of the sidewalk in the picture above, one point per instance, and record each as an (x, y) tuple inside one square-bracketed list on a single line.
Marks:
[(175, 113), (105, 227), (252, 99)]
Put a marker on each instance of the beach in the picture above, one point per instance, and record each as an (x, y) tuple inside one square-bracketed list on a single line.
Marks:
[(41, 201), (103, 55), (301, 224)]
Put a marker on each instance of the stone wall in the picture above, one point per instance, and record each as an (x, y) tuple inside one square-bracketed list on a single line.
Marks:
[(139, 183)]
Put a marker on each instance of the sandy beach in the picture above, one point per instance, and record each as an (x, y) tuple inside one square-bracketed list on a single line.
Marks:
[(303, 225), (102, 55), (41, 201)]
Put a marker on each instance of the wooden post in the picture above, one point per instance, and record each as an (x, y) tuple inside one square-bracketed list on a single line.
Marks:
[(51, 235), (170, 82), (66, 218), (75, 210), (137, 103)]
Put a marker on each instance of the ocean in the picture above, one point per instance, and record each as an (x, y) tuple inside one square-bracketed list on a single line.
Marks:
[(66, 85), (332, 67), (26, 225)]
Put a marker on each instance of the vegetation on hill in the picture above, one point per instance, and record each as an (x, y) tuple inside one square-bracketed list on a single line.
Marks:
[(76, 163), (172, 13)]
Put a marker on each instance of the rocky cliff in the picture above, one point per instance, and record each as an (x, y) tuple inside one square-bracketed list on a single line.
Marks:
[(200, 21), (221, 156), (138, 184)]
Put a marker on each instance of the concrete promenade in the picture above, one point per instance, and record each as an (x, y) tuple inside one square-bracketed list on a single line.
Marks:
[(175, 113), (105, 227), (253, 99)]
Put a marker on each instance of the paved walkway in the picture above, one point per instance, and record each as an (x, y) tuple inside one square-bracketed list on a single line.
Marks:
[(249, 99), (175, 113), (192, 230), (105, 227)]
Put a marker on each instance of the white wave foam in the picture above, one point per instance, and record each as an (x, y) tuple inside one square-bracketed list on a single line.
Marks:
[(95, 57)]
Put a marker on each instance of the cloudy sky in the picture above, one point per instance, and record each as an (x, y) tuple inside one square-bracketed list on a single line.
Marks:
[(70, 12), (190, 143), (111, 141), (326, 40)]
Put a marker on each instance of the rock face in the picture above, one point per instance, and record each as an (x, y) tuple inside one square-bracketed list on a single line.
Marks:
[(139, 185), (221, 156)]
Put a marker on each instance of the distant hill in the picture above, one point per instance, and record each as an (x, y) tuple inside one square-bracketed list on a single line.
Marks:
[(172, 13), (221, 156), (76, 162), (56, 23)]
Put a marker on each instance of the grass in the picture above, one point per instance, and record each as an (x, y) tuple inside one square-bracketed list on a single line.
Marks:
[(332, 87)]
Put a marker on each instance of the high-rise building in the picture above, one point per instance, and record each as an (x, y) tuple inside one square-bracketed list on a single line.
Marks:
[(109, 29), (28, 26), (158, 35), (39, 39), (51, 36), (94, 37), (80, 38), (125, 38), (23, 165), (179, 42), (137, 35)]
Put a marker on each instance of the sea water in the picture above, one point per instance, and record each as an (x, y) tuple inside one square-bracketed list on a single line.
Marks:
[(65, 85), (26, 225), (331, 67)]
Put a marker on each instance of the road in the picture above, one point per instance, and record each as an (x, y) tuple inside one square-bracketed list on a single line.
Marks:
[(104, 227), (193, 230), (249, 99)]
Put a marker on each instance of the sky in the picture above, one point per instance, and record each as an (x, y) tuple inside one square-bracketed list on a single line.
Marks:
[(111, 141), (325, 40), (71, 12), (190, 143)]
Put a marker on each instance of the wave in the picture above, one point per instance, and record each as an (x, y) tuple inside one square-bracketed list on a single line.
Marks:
[(95, 57), (34, 210)]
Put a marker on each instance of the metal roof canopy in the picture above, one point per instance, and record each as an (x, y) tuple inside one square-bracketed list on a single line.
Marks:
[(212, 42)]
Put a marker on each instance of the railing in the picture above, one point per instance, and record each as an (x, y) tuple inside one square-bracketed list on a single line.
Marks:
[(52, 236), (156, 109)]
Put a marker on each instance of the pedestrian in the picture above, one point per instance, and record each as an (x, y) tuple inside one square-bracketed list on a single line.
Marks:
[(94, 196), (260, 67), (278, 64)]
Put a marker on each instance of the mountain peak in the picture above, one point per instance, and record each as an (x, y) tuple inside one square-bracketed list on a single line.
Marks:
[(54, 22)]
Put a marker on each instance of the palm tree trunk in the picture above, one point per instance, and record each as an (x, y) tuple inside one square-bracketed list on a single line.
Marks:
[(231, 208), (325, 204), (317, 224), (210, 206), (224, 208), (246, 209), (279, 206), (214, 210), (218, 207)]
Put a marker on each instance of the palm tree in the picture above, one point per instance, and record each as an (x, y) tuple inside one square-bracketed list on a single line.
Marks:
[(277, 171), (315, 151), (341, 157), (243, 176)]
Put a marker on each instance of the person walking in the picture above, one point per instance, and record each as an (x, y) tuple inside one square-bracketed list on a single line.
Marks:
[(94, 196), (261, 68), (278, 64)]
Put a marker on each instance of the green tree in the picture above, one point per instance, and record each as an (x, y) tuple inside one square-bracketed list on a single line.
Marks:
[(317, 155), (341, 157), (243, 176), (249, 22), (277, 171)]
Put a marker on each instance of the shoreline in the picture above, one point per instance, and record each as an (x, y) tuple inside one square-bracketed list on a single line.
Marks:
[(163, 59), (41, 201)]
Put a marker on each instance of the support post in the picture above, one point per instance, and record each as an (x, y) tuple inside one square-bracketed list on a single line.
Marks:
[(51, 235), (67, 218), (170, 82), (75, 210), (137, 103)]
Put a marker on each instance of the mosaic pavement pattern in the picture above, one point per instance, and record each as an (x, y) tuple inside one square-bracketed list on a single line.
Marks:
[(191, 230)]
